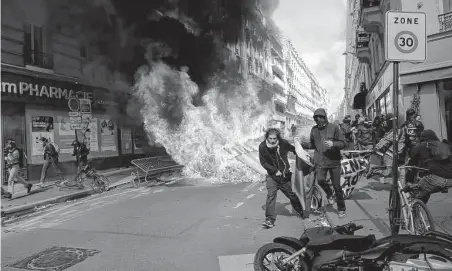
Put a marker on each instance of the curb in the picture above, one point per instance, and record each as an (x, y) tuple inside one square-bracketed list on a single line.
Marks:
[(60, 199)]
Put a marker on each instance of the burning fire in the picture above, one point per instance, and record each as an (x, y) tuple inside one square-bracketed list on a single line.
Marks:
[(197, 136)]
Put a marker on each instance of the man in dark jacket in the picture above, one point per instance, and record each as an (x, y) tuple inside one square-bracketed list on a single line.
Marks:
[(436, 156), (273, 153), (365, 135), (327, 140), (346, 130)]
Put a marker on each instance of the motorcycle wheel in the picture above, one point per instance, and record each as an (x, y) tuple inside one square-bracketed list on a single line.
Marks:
[(261, 257)]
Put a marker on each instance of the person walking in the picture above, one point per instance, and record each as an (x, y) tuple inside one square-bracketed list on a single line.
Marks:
[(273, 153), (14, 159), (327, 140), (50, 158)]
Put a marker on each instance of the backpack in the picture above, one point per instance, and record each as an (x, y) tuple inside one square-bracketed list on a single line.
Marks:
[(57, 148), (440, 150), (22, 157)]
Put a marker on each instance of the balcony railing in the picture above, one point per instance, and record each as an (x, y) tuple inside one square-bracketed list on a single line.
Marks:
[(371, 3), (362, 39), (38, 59), (445, 22)]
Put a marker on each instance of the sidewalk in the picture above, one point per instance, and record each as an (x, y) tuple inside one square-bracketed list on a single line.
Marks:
[(21, 202), (368, 206)]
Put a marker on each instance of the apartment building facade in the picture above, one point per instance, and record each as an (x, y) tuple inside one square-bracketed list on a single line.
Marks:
[(367, 70), (41, 71)]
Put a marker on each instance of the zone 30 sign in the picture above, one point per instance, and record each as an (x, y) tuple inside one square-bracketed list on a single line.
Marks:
[(406, 36)]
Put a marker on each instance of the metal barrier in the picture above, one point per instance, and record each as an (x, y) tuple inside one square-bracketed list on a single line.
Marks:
[(151, 166)]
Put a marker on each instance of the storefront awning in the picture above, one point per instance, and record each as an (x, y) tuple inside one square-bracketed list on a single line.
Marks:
[(432, 75), (359, 101)]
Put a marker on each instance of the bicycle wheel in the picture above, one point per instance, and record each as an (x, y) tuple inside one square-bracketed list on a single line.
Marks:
[(395, 210), (316, 199), (101, 182), (422, 218)]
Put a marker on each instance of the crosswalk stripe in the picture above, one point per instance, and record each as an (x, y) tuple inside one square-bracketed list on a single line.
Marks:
[(236, 262)]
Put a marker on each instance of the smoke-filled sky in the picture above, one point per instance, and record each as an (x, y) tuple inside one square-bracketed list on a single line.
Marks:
[(317, 30)]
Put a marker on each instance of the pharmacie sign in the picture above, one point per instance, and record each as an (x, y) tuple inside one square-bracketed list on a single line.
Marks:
[(32, 88)]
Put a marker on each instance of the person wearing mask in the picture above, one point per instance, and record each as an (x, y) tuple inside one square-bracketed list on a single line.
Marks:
[(356, 121), (346, 130), (365, 135), (13, 160), (50, 158), (273, 156), (412, 129), (327, 140), (436, 156)]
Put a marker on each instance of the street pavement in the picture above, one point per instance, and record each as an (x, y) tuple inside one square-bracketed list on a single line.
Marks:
[(369, 205), (174, 227), (40, 196)]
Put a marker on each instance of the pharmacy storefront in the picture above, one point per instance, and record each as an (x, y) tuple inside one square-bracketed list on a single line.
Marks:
[(35, 107)]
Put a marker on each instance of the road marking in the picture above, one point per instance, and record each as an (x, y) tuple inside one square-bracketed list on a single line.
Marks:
[(158, 191), (261, 188), (68, 212), (236, 262), (36, 220), (238, 205), (250, 186), (250, 196)]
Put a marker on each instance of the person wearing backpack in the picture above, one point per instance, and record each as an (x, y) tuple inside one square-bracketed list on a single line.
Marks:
[(436, 156), (50, 158), (15, 161)]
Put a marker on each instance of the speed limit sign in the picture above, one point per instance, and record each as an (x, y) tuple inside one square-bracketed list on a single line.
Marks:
[(406, 36)]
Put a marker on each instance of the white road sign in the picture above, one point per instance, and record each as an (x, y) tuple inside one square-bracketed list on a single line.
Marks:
[(406, 36)]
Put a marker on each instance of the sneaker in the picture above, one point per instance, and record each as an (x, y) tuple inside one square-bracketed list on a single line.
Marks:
[(7, 195), (300, 214), (342, 214), (331, 201), (268, 224)]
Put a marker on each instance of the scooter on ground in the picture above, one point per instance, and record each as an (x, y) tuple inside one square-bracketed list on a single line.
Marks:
[(337, 248)]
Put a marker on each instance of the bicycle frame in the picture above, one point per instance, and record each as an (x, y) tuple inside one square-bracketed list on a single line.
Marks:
[(406, 199)]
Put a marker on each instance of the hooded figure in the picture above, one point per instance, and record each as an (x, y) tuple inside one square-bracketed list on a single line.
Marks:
[(327, 140), (434, 155)]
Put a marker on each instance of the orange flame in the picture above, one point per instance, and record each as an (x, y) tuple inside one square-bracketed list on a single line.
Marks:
[(199, 141)]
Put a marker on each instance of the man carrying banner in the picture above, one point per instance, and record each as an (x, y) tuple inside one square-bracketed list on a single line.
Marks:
[(327, 140), (273, 153)]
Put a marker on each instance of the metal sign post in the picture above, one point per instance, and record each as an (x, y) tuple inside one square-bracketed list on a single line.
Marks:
[(405, 41)]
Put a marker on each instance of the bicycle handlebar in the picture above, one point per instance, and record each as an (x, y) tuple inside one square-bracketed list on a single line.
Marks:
[(413, 167)]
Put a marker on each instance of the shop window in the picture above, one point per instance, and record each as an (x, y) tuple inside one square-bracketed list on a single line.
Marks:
[(13, 126), (446, 88), (35, 47)]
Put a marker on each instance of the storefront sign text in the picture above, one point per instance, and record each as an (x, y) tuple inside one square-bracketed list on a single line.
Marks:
[(45, 91)]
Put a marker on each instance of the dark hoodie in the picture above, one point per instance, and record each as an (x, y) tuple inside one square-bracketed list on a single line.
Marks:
[(323, 157), (274, 159), (433, 154)]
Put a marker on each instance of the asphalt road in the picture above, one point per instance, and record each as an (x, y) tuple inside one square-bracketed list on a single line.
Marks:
[(179, 227)]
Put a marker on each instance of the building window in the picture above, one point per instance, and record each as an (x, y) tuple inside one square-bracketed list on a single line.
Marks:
[(35, 47)]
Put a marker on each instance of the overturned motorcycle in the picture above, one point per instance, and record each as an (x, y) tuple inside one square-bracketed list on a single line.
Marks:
[(326, 248)]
